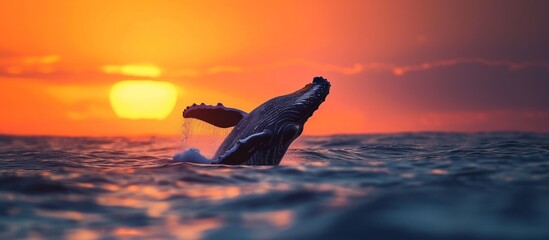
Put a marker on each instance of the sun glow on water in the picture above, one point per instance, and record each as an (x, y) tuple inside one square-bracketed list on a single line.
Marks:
[(143, 99)]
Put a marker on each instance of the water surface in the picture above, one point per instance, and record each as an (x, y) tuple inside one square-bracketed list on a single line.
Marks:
[(400, 186)]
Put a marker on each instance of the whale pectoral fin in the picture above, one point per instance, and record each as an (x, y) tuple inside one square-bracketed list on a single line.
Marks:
[(245, 148), (218, 115)]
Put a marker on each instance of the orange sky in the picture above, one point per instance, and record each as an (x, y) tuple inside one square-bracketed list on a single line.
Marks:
[(394, 65)]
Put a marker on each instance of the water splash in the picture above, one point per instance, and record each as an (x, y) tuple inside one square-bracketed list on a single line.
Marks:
[(200, 135)]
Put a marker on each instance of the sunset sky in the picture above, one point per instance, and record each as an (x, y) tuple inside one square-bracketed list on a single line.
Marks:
[(394, 65)]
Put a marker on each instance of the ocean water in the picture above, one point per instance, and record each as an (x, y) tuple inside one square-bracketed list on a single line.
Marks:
[(387, 186)]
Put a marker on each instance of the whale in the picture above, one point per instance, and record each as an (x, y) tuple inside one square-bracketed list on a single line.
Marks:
[(262, 136)]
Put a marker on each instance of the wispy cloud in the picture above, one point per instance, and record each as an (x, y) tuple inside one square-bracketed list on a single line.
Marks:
[(400, 70), (511, 65), (137, 70), (50, 66), (29, 64), (396, 69)]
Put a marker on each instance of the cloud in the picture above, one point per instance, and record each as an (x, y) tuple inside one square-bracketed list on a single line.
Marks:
[(51, 67), (458, 87), (137, 70), (400, 70), (29, 60), (511, 65), (15, 65)]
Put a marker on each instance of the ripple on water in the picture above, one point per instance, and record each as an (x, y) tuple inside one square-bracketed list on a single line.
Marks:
[(411, 185)]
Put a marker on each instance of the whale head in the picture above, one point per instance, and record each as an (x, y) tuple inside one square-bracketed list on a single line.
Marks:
[(299, 106), (284, 117)]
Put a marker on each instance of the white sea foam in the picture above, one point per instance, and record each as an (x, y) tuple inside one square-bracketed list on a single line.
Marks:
[(191, 155)]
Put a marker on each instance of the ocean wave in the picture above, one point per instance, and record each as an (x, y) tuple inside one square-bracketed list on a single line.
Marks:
[(409, 185)]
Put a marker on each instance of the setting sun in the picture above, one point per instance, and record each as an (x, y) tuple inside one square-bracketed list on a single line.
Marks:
[(133, 99)]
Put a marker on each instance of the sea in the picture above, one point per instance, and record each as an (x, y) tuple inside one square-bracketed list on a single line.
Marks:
[(373, 186)]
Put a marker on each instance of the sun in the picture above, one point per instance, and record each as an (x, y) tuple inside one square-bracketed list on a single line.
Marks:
[(143, 99)]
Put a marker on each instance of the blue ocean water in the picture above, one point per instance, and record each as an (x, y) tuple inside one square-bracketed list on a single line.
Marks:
[(386, 186)]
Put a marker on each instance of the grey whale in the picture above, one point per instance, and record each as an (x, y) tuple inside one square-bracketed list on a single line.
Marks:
[(262, 136)]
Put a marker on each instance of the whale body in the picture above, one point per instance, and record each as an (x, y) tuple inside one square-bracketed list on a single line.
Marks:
[(262, 136)]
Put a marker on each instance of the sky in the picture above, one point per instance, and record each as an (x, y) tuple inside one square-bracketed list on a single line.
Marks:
[(394, 66)]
